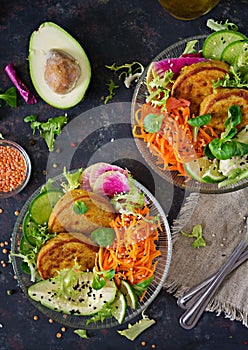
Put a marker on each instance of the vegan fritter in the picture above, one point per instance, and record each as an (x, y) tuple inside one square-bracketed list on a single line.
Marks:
[(62, 251), (195, 82), (217, 104), (65, 218)]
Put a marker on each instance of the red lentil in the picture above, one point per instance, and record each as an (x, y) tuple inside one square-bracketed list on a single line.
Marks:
[(36, 317), (50, 320), (1, 210), (12, 169), (58, 335), (5, 251), (17, 212)]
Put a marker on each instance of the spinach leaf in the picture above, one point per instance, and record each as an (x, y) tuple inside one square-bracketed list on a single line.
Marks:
[(200, 120), (80, 207), (139, 288), (153, 122), (225, 147), (103, 236), (197, 122), (233, 119), (10, 97)]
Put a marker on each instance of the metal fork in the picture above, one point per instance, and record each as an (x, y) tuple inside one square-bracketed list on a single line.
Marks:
[(207, 288), (189, 297)]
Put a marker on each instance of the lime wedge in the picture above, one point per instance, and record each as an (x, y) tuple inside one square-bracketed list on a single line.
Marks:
[(197, 168), (129, 294), (119, 307), (213, 174)]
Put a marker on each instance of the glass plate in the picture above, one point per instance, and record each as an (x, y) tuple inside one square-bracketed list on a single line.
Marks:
[(164, 244), (139, 98)]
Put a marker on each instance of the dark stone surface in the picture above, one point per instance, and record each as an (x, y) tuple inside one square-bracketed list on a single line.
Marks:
[(110, 31)]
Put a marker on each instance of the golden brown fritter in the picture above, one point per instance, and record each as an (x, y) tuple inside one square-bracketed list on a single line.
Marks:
[(61, 252), (195, 82), (217, 104), (64, 219)]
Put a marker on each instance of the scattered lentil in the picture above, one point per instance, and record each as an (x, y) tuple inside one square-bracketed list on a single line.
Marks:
[(58, 335), (153, 346), (17, 212), (12, 168), (63, 329), (1, 210), (50, 320), (143, 343), (5, 251)]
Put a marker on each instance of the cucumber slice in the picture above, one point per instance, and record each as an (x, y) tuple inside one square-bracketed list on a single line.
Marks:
[(41, 207), (25, 246), (216, 42), (233, 50), (27, 228)]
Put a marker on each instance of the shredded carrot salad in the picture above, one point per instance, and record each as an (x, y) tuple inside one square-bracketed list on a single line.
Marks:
[(133, 253), (173, 144)]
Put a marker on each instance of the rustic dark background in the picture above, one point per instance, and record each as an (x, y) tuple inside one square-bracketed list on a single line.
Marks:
[(110, 31)]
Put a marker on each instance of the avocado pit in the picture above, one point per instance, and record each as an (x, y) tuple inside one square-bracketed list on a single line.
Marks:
[(61, 71)]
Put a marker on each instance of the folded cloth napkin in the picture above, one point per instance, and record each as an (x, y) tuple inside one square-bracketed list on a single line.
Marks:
[(222, 218)]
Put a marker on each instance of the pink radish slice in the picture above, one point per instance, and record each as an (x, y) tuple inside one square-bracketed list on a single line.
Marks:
[(110, 183)]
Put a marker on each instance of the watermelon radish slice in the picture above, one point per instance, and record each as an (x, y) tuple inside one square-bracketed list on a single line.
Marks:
[(174, 64), (101, 168), (110, 183)]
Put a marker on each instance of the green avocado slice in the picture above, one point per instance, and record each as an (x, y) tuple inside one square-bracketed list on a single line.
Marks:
[(86, 301), (47, 38)]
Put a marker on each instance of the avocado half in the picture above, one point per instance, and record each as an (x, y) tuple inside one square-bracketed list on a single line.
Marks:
[(51, 37)]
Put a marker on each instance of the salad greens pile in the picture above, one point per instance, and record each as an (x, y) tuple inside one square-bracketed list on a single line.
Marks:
[(72, 290), (230, 148)]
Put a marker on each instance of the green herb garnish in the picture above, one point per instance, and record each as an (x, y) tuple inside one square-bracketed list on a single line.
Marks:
[(103, 236), (82, 333), (80, 207), (111, 88), (73, 179), (49, 129), (10, 97), (225, 147), (153, 122), (197, 234), (216, 26)]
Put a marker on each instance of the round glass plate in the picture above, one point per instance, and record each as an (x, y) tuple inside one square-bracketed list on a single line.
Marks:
[(164, 244), (139, 98)]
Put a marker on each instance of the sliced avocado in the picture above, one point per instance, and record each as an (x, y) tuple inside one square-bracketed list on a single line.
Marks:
[(242, 136), (85, 301), (51, 42)]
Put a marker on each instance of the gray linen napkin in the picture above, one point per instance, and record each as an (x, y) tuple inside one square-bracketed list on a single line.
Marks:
[(223, 224)]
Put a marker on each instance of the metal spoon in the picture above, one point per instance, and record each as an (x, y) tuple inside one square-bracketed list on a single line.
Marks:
[(191, 316)]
